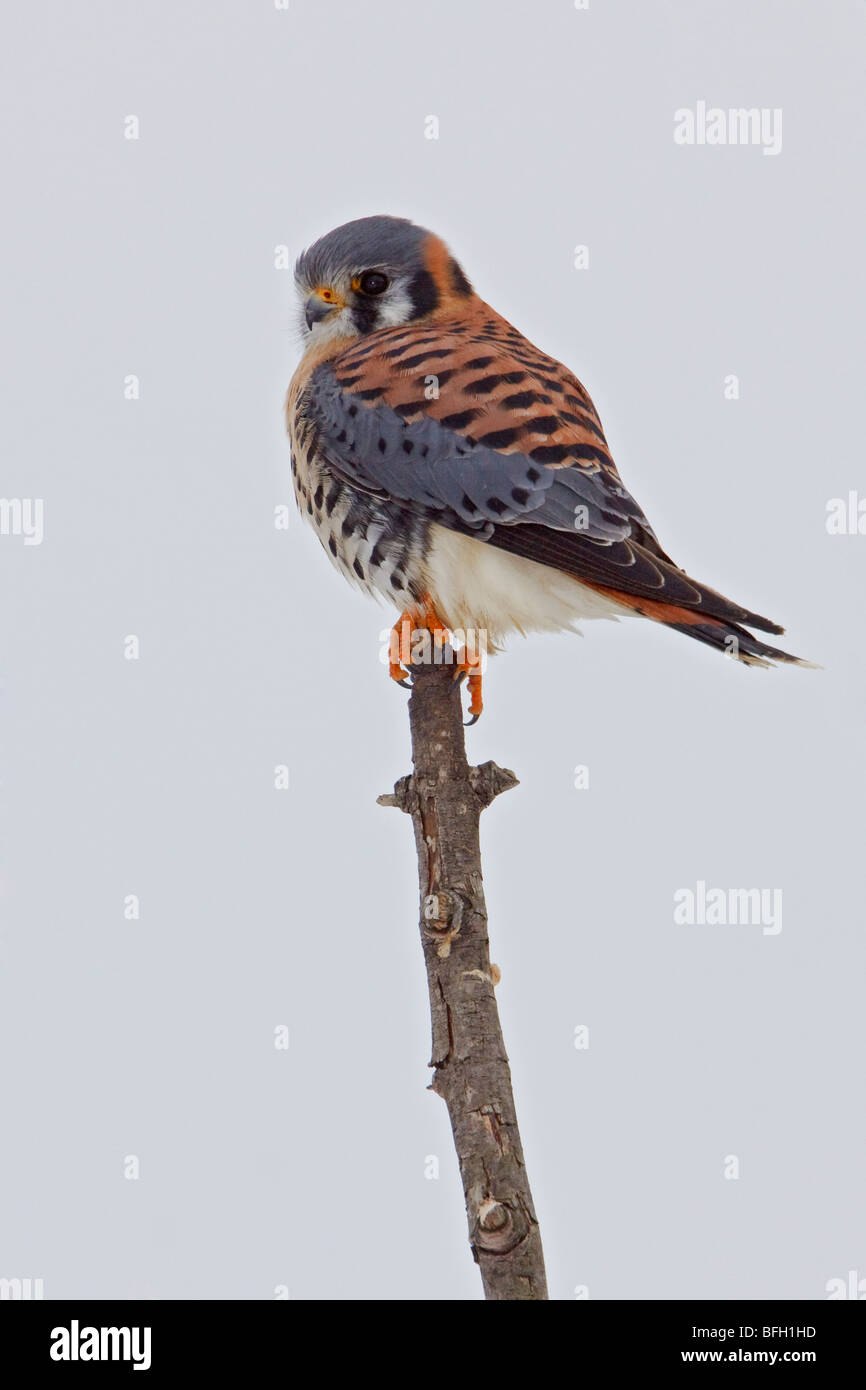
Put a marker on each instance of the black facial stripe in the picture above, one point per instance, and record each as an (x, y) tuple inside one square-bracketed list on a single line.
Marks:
[(423, 294), (458, 279), (365, 315)]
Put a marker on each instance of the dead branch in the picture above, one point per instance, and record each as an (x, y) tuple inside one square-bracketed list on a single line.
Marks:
[(445, 798)]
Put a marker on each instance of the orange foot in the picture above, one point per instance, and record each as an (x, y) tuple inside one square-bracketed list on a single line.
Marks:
[(470, 666), (424, 616)]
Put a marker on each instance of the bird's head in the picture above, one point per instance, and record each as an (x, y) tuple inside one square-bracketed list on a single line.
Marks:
[(376, 272)]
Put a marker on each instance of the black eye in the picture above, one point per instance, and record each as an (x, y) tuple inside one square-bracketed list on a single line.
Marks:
[(373, 282)]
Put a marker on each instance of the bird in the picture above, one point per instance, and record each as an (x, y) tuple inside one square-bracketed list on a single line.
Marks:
[(452, 468)]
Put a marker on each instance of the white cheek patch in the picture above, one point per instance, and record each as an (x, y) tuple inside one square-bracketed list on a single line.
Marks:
[(395, 307)]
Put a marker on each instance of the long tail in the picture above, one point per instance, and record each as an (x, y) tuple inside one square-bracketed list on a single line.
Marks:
[(735, 641), (722, 632)]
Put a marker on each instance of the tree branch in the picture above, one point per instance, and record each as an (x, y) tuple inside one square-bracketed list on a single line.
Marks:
[(445, 798)]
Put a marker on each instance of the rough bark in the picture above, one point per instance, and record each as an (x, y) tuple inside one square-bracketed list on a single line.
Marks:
[(445, 798)]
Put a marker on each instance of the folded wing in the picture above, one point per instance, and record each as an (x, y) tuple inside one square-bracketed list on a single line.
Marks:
[(476, 428)]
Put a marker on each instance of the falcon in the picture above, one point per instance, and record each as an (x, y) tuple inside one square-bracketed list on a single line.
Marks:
[(452, 468)]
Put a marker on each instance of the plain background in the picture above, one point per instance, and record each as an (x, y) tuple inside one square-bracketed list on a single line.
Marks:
[(261, 129)]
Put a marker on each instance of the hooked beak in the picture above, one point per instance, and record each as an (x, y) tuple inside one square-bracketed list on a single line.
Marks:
[(316, 309)]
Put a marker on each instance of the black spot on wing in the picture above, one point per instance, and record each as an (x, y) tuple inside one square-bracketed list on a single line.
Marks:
[(422, 357), (588, 453), (522, 400), (460, 419), (498, 439), (584, 422), (417, 341), (551, 453), (483, 385), (542, 424)]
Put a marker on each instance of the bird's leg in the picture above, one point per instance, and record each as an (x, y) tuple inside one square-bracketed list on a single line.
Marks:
[(469, 666), (400, 647), (422, 617)]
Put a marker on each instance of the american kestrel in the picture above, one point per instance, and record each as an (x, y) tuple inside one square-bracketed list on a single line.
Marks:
[(450, 466)]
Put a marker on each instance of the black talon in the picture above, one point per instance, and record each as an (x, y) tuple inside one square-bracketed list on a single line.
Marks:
[(407, 685), (467, 723)]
